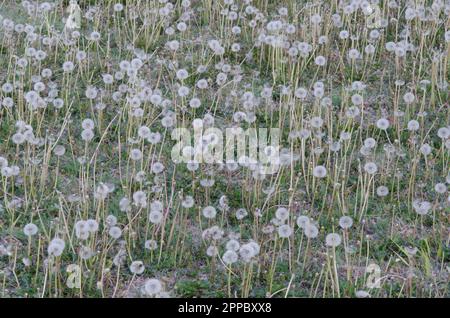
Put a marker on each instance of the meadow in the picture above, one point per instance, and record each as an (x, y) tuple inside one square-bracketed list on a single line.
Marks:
[(93, 204)]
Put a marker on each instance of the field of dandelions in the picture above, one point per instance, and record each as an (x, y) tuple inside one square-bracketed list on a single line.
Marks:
[(92, 205)]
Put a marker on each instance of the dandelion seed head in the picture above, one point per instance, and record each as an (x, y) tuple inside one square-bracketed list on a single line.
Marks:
[(152, 286), (282, 214), (137, 267), (209, 212), (333, 240), (362, 294), (151, 245), (212, 251), (382, 191), (440, 188), (136, 154), (311, 231), (115, 232), (285, 231), (370, 168), (413, 125), (56, 247), (30, 229), (345, 222), (319, 172), (383, 124), (230, 257), (241, 213)]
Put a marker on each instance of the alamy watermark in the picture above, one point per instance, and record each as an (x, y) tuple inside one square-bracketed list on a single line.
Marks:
[(374, 276), (373, 16), (254, 146), (73, 21)]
